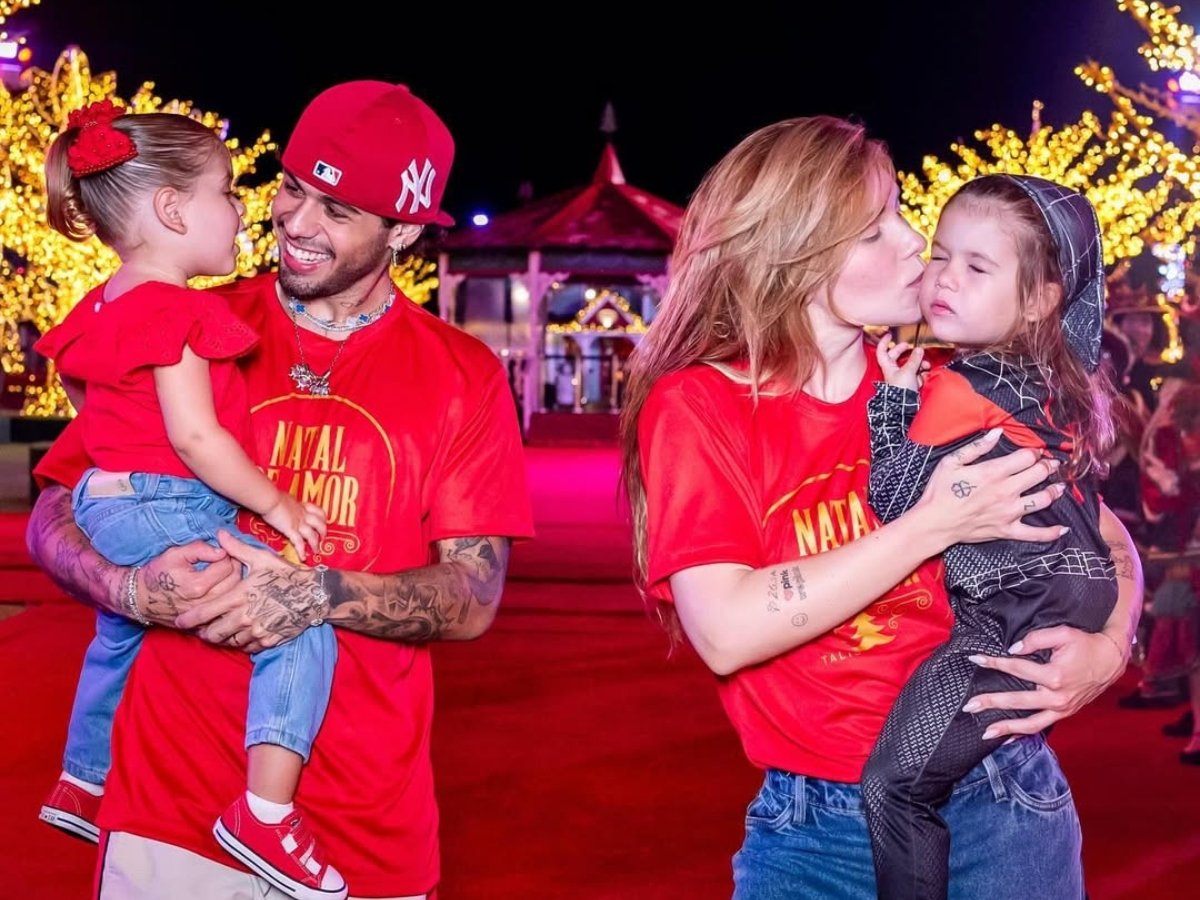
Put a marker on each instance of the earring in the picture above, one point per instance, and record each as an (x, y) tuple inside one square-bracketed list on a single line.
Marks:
[(397, 254)]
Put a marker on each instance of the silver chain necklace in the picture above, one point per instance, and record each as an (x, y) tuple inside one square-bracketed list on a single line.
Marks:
[(302, 375), (305, 378), (362, 320)]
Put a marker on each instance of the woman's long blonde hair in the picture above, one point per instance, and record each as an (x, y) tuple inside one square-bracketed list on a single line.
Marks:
[(768, 230)]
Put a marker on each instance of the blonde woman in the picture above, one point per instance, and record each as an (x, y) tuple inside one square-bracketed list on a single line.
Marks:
[(746, 463)]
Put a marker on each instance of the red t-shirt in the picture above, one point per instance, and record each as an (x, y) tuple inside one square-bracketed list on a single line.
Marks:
[(114, 347), (418, 441), (730, 483)]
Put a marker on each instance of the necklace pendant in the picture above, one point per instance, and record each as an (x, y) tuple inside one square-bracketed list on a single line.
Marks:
[(305, 379), (320, 385), (301, 376)]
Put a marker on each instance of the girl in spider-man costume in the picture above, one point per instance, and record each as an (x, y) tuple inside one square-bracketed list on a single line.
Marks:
[(1016, 283)]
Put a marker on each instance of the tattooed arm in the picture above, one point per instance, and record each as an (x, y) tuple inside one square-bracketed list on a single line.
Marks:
[(166, 585), (736, 616), (455, 599)]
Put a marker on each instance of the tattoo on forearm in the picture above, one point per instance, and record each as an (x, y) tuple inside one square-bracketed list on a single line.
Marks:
[(1122, 561), (160, 602), (58, 546), (785, 586), (962, 489), (424, 604)]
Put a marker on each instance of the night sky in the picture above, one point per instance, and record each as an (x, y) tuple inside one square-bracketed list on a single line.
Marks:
[(523, 91)]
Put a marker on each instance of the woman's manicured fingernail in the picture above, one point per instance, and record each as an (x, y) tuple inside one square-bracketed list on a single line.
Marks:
[(976, 658), (972, 706), (1016, 648), (991, 733)]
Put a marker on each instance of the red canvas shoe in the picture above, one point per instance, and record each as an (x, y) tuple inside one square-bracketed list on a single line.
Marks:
[(285, 854), (72, 809)]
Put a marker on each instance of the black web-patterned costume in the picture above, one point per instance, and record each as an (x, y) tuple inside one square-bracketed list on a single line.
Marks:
[(999, 590)]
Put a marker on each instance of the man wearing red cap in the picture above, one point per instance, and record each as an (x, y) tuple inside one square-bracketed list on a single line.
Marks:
[(403, 428)]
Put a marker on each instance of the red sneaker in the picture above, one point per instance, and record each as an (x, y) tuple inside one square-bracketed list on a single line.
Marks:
[(73, 810), (285, 854)]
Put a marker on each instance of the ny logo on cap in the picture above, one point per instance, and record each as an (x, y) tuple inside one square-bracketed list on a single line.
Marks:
[(327, 173), (417, 185)]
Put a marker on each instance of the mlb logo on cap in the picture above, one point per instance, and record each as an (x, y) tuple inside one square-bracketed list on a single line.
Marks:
[(327, 173), (376, 147)]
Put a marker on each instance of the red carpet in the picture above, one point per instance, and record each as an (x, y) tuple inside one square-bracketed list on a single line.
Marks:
[(574, 759)]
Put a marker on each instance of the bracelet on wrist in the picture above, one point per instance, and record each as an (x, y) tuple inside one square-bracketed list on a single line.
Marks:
[(1124, 654), (130, 598), (320, 605)]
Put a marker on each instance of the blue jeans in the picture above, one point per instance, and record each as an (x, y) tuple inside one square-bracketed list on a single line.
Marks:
[(289, 690), (1014, 834)]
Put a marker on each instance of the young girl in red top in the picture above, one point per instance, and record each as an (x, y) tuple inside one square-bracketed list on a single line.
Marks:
[(151, 366)]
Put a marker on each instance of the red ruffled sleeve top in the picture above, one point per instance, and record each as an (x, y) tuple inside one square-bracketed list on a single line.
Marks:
[(114, 346)]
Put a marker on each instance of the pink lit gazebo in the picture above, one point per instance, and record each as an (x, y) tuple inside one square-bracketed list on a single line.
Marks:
[(598, 252)]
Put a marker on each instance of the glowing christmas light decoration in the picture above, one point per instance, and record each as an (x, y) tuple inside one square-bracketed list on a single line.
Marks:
[(1117, 165), (8, 7), (1172, 286), (1145, 188)]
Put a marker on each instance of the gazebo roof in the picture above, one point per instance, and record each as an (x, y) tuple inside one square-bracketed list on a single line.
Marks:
[(606, 214)]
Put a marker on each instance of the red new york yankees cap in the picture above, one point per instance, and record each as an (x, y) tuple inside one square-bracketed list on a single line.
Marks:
[(374, 146)]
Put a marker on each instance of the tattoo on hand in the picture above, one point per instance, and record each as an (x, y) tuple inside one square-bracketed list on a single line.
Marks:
[(962, 489), (1029, 505), (799, 620), (283, 601)]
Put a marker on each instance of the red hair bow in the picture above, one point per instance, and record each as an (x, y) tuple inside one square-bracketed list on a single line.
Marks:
[(98, 146)]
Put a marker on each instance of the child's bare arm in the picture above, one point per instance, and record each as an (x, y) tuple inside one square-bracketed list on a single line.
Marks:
[(217, 459)]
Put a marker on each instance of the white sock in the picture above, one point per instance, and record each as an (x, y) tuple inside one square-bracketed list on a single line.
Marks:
[(96, 790), (266, 810)]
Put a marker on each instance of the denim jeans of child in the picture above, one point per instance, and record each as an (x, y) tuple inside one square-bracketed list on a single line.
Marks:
[(289, 688), (1014, 834)]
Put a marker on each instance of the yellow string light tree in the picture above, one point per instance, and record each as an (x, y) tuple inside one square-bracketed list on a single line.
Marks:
[(1172, 47), (42, 273), (1145, 188), (1118, 165)]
